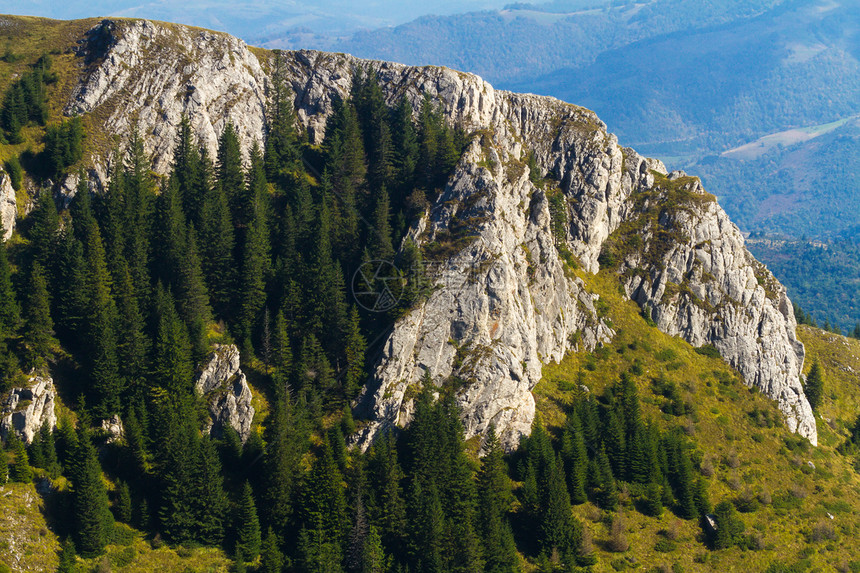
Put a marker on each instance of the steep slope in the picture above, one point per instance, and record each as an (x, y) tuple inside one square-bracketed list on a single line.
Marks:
[(487, 337)]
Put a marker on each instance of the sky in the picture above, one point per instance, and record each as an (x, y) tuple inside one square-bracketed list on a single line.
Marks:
[(256, 19)]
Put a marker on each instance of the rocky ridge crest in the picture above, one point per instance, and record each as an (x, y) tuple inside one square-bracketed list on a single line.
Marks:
[(505, 302)]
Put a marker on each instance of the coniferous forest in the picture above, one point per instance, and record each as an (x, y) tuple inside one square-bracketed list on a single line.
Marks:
[(124, 292)]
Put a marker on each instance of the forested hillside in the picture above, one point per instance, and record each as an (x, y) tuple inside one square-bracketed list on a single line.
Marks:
[(645, 452)]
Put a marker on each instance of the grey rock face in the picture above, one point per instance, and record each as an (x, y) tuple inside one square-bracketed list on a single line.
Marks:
[(8, 205), (113, 428), (226, 389), (707, 288), (25, 410), (505, 303), (148, 74)]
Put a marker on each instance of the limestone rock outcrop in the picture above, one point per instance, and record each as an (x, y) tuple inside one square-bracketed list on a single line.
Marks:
[(145, 74), (225, 387), (500, 239), (26, 409), (704, 286), (8, 205)]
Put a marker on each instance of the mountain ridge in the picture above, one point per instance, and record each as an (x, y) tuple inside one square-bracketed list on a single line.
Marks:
[(595, 179)]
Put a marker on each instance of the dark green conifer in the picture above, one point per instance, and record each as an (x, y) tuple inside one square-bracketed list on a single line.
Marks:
[(172, 368), (209, 497), (38, 328), (101, 321), (93, 522), (814, 387), (122, 502), (68, 557), (494, 503), (271, 558), (247, 525), (19, 470)]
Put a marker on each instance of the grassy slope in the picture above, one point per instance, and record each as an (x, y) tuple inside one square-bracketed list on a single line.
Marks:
[(28, 545), (723, 430)]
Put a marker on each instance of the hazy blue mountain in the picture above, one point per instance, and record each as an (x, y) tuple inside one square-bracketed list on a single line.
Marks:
[(255, 20)]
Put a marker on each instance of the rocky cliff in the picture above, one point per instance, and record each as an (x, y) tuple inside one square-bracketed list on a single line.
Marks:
[(8, 205), (502, 241), (26, 409), (224, 386)]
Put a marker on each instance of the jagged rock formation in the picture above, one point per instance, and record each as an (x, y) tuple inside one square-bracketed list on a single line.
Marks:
[(226, 390), (152, 74), (26, 409), (8, 205), (506, 303), (702, 284)]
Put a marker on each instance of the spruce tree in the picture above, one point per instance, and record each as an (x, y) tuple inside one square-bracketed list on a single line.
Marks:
[(93, 522), (38, 327), (272, 560), (355, 347), (101, 321), (284, 449), (494, 502), (729, 526), (68, 557), (20, 470), (4, 466), (217, 245), (122, 502), (324, 500), (247, 525), (814, 388), (210, 500), (9, 310), (172, 368), (575, 458)]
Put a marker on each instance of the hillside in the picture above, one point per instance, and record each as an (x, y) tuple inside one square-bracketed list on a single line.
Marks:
[(217, 279), (651, 58)]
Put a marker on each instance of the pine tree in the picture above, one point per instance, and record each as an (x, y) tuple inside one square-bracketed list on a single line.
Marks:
[(494, 502), (38, 330), (44, 230), (210, 499), (284, 449), (355, 347), (20, 470), (172, 368), (324, 502), (122, 502), (101, 323), (93, 522), (729, 526), (68, 557), (575, 458), (814, 387), (217, 245), (247, 525), (4, 467), (272, 560)]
